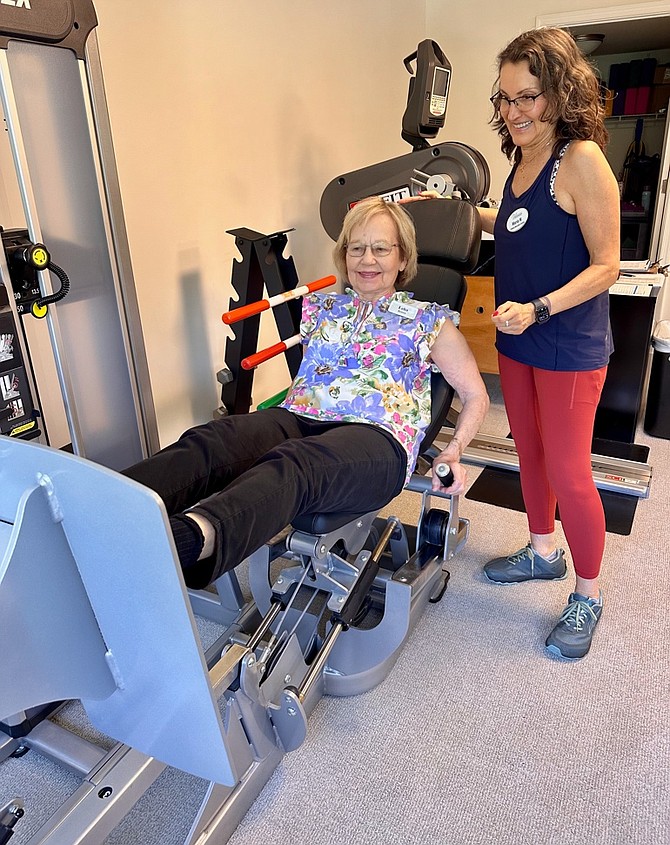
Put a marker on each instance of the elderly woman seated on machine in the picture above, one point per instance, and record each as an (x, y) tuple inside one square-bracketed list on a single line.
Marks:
[(347, 436), (122, 636)]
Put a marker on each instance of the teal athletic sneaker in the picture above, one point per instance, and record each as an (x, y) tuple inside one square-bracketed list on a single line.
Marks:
[(572, 636), (526, 565)]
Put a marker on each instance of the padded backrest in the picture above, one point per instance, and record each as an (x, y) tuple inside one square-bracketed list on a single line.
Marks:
[(448, 234), (439, 284)]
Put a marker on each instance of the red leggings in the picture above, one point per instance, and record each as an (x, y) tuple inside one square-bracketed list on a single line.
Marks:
[(551, 416)]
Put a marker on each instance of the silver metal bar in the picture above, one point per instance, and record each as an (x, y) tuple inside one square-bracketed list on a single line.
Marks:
[(100, 128), (616, 475), (99, 804), (319, 664), (268, 619), (20, 157)]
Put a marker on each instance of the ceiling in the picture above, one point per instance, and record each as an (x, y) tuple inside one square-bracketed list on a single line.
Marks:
[(632, 36)]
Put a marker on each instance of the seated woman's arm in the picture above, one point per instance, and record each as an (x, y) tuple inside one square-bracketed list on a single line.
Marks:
[(453, 356)]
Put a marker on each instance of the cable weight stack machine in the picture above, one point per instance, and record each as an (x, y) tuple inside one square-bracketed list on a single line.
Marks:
[(58, 130), (56, 114)]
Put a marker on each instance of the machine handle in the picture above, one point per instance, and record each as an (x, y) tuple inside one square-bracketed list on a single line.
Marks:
[(445, 474)]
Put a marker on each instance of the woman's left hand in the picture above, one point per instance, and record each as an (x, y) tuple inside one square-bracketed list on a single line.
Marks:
[(513, 317)]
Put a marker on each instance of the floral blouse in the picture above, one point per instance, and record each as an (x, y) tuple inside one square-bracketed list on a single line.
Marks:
[(369, 363)]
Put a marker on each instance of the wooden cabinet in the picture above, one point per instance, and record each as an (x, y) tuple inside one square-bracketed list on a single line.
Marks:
[(476, 325)]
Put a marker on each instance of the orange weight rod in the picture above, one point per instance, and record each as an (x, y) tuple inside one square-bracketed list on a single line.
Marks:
[(252, 361), (253, 308)]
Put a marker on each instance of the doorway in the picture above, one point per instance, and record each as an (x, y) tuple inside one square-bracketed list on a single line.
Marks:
[(637, 28)]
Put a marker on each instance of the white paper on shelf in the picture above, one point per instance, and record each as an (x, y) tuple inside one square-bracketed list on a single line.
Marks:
[(630, 288), (635, 266)]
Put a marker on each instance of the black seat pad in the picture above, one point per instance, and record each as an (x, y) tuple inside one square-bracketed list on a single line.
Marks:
[(324, 523)]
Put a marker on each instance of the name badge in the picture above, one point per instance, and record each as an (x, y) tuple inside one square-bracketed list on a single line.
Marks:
[(517, 220), (403, 309)]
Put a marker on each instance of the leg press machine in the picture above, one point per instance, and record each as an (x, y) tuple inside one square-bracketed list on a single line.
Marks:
[(107, 620)]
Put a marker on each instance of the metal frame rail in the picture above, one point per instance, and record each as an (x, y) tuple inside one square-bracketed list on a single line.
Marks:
[(617, 475)]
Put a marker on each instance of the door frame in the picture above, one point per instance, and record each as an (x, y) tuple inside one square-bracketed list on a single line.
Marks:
[(607, 14)]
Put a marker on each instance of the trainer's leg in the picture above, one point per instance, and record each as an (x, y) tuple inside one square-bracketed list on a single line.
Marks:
[(348, 468), (568, 406), (519, 392), (568, 403)]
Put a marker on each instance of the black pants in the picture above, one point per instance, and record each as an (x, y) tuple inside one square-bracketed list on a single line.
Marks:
[(252, 474)]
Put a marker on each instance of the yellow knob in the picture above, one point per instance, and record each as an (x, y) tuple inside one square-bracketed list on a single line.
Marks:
[(40, 257)]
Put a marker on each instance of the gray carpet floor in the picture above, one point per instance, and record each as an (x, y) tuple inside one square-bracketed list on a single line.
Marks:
[(476, 736)]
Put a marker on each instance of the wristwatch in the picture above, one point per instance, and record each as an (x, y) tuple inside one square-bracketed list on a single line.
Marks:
[(542, 313)]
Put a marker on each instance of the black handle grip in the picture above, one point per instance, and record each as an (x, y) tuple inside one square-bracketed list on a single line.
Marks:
[(445, 474)]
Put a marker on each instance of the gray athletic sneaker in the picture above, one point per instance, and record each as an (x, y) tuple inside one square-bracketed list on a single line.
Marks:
[(526, 565), (571, 638)]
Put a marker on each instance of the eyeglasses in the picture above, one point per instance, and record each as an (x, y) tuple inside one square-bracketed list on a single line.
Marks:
[(524, 103), (379, 250)]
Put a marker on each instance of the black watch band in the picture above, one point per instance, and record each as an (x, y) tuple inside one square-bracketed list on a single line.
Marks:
[(541, 311)]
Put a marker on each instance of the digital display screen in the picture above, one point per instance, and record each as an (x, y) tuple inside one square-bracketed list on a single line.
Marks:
[(440, 81)]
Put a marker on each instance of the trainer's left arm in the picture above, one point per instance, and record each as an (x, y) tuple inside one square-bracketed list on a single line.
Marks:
[(586, 186)]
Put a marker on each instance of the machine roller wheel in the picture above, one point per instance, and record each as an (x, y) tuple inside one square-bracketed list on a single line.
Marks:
[(434, 527)]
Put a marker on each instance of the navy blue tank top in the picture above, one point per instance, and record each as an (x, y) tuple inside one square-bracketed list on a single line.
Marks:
[(539, 247)]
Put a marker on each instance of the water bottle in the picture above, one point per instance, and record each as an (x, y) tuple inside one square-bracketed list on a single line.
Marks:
[(646, 198)]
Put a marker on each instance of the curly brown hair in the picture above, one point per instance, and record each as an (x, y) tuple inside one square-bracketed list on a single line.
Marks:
[(569, 83)]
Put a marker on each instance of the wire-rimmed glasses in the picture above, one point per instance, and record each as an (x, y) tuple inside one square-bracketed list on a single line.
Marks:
[(380, 249), (524, 103)]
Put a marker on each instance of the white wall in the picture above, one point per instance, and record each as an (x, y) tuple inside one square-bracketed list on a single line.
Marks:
[(227, 115)]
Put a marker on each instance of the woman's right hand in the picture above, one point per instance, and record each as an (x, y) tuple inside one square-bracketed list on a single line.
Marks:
[(513, 317), (423, 195)]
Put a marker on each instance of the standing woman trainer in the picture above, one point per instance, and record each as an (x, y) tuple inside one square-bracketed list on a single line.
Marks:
[(557, 253)]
